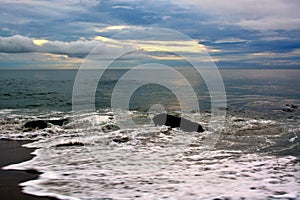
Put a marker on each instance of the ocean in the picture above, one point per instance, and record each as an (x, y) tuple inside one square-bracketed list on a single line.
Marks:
[(256, 155)]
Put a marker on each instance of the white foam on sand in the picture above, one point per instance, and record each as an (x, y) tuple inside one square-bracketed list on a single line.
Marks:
[(83, 162), (126, 172)]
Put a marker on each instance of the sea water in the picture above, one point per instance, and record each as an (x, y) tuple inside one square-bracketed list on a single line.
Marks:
[(256, 155)]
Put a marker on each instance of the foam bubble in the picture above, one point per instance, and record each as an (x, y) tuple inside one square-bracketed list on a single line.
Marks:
[(80, 161)]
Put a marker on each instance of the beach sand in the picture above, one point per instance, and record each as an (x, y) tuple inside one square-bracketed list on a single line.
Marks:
[(12, 152)]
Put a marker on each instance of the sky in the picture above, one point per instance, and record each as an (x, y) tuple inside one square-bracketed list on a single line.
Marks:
[(235, 34)]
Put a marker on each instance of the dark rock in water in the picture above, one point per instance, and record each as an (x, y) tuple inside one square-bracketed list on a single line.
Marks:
[(41, 124), (279, 193), (37, 124), (120, 139), (58, 122), (294, 106), (70, 144), (222, 198), (177, 122), (291, 106), (287, 110), (238, 120), (109, 128)]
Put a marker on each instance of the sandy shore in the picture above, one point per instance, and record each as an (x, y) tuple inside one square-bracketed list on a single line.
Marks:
[(12, 152)]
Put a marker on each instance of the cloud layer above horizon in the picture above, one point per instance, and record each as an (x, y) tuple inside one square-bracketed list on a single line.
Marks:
[(243, 33)]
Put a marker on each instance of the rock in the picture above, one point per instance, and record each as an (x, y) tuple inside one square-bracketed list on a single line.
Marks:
[(294, 106), (70, 144), (41, 124), (121, 139), (37, 124), (279, 193), (238, 120), (177, 122), (58, 122), (287, 110), (109, 128), (291, 106)]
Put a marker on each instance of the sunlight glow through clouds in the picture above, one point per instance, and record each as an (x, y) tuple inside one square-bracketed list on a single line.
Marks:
[(191, 46), (171, 46), (56, 58), (170, 57), (39, 42), (103, 39)]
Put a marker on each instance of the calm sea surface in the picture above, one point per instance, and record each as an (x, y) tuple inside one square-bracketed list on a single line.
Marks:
[(52, 89)]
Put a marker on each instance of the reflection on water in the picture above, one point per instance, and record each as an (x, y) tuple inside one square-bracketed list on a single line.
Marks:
[(52, 89)]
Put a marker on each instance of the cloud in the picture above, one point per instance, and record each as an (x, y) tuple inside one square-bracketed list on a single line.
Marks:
[(229, 30), (275, 38), (38, 60), (22, 44), (141, 44), (261, 15), (291, 58), (123, 7), (293, 53), (113, 29), (230, 40), (74, 4), (59, 20), (16, 44), (270, 24)]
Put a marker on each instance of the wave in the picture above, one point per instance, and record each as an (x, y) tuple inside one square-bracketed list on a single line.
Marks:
[(89, 158)]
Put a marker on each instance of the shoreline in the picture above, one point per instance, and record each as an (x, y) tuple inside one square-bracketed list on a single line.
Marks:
[(12, 152)]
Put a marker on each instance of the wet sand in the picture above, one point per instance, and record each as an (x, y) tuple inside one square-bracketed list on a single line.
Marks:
[(12, 152)]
